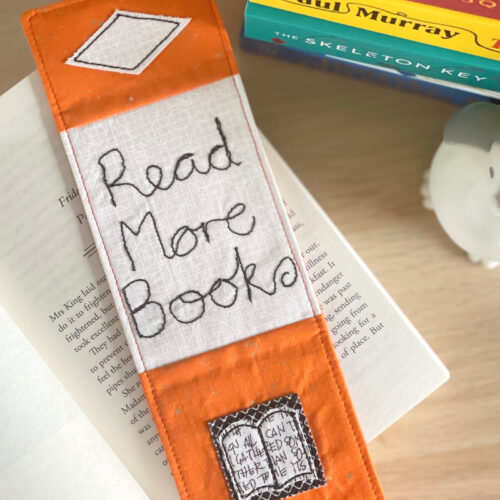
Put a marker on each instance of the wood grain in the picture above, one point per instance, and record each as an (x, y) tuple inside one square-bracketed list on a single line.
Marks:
[(361, 149)]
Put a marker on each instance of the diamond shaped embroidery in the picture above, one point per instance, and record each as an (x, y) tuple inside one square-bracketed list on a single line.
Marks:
[(128, 42)]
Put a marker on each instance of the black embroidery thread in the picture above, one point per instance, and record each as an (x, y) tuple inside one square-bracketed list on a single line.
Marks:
[(287, 279), (146, 303), (181, 233), (267, 451), (85, 47), (114, 156)]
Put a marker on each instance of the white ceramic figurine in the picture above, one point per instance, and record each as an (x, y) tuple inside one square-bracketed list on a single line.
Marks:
[(463, 184)]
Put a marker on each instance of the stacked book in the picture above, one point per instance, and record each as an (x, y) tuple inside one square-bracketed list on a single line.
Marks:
[(445, 48)]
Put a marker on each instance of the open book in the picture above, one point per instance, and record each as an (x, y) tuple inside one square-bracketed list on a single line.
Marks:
[(53, 288)]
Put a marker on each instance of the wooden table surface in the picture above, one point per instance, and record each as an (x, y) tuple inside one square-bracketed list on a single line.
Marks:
[(361, 149)]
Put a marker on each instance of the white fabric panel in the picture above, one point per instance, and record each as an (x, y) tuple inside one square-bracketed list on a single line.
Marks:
[(230, 190), (128, 42)]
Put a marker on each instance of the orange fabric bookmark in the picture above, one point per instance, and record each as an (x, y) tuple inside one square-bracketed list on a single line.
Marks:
[(213, 296), (194, 391)]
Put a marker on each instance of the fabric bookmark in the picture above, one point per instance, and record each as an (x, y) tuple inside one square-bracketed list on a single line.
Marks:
[(226, 333)]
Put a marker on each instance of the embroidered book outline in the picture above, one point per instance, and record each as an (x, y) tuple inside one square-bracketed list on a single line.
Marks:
[(267, 451), (128, 42)]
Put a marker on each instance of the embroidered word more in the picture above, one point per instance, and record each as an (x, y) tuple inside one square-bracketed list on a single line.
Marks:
[(267, 451), (186, 238)]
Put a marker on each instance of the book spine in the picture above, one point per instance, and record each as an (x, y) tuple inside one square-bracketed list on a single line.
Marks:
[(419, 22), (373, 74), (362, 46)]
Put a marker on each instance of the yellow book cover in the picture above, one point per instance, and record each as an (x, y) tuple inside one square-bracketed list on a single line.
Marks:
[(419, 22)]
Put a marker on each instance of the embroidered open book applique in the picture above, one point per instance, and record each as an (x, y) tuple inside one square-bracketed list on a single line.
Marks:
[(267, 451)]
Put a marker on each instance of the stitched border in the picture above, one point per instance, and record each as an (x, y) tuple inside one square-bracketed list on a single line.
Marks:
[(347, 410), (42, 66), (151, 387)]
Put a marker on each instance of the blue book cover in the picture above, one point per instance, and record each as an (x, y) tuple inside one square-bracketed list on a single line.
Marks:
[(382, 76), (330, 39)]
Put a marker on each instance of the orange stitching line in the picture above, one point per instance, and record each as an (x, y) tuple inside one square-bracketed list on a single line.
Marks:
[(40, 60)]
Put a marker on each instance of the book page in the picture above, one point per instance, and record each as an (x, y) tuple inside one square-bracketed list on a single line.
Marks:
[(49, 448), (53, 287), (388, 366)]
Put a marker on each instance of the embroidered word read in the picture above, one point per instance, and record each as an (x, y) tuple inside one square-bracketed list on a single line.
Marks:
[(157, 178)]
